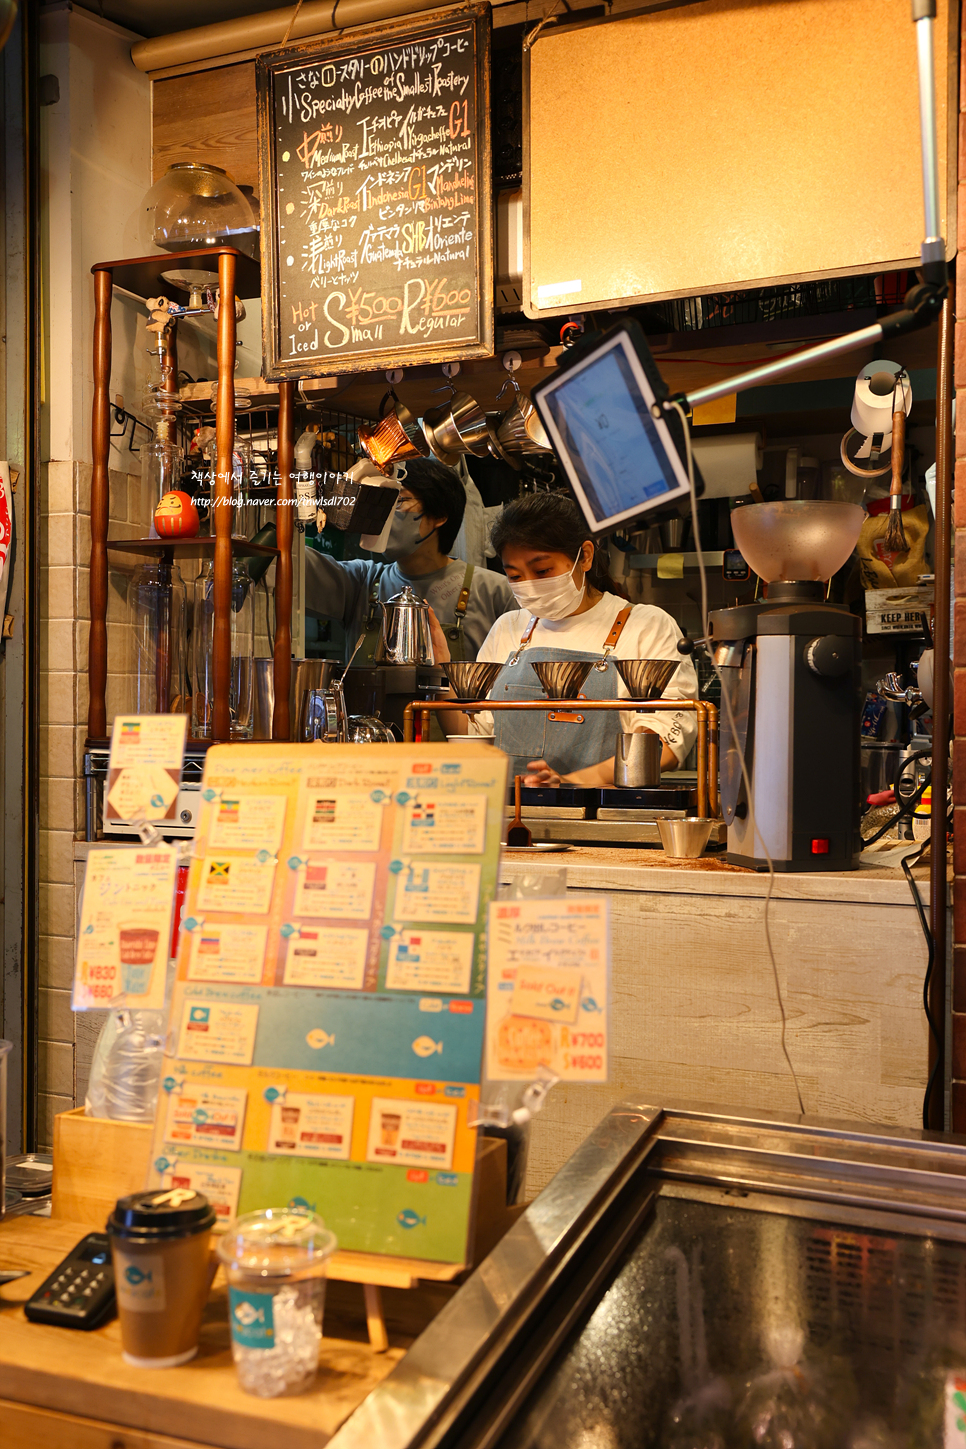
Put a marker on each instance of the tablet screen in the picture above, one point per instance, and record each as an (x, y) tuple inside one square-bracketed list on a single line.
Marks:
[(619, 458)]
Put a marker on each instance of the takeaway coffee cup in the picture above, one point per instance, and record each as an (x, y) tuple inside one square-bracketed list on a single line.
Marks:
[(162, 1273)]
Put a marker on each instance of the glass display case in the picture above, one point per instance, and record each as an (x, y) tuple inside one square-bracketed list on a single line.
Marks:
[(694, 1280)]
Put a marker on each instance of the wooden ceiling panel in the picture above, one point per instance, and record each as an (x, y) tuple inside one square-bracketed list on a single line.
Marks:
[(207, 116)]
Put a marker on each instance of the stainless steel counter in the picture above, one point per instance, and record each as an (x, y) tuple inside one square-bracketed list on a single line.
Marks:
[(697, 1276)]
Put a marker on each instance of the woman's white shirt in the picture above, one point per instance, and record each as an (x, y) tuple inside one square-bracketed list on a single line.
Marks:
[(649, 633)]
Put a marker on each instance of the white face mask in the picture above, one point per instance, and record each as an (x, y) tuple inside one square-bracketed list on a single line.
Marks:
[(553, 598)]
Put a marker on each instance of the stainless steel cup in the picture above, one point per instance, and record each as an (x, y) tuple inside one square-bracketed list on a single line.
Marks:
[(637, 761), (685, 839)]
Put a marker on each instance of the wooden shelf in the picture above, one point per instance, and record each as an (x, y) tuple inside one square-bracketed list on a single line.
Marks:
[(188, 547), (143, 275)]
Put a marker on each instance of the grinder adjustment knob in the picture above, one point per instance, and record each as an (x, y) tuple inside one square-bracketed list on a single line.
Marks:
[(829, 656)]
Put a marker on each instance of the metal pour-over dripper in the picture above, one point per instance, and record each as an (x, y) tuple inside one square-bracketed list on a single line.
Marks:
[(471, 679), (646, 678), (562, 678), (796, 541)]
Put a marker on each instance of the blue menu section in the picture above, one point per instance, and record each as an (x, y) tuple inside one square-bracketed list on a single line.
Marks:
[(408, 1036)]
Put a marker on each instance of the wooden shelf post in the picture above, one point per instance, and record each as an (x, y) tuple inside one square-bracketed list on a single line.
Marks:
[(222, 499), (284, 528), (100, 493)]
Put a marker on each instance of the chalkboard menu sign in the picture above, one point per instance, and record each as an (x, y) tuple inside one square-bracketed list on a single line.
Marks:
[(374, 166)]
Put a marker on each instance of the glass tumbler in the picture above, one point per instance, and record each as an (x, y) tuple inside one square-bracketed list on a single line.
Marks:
[(275, 1262), (159, 606), (241, 675)]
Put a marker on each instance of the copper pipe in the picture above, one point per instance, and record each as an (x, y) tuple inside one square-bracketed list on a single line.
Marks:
[(707, 716), (714, 804), (940, 713), (702, 760), (100, 493), (284, 528), (222, 500)]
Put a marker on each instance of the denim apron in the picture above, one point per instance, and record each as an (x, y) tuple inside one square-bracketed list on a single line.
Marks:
[(567, 738)]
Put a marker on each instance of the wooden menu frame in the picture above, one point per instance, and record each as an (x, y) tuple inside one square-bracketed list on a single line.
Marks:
[(802, 183), (342, 47)]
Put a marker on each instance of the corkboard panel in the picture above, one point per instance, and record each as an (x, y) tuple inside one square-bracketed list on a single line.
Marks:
[(729, 143), (207, 116)]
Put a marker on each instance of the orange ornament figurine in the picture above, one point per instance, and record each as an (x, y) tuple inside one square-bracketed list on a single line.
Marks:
[(176, 516)]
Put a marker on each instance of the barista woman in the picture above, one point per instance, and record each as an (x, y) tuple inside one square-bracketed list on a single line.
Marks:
[(549, 560), (428, 513)]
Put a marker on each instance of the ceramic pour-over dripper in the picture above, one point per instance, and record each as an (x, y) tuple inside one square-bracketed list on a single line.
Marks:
[(562, 678), (646, 678), (471, 680), (797, 541)]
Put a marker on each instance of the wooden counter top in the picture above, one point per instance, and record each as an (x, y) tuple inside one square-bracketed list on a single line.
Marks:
[(615, 868), (64, 1389)]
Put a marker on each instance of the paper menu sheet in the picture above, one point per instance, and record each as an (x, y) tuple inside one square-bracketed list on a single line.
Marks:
[(421, 960), (220, 1185), (124, 930), (434, 823), (361, 989), (223, 951), (240, 821), (204, 1116), (548, 974), (444, 891), (236, 883), (326, 956), (336, 889), (215, 1031), (144, 768), (339, 820), (312, 1124), (414, 1134)]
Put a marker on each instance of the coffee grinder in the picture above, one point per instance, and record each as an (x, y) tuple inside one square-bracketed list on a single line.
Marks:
[(790, 666)]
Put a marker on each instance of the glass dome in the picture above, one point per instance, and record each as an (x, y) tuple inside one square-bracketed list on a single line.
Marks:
[(195, 206)]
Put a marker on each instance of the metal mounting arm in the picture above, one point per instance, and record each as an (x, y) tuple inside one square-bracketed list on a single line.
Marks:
[(924, 301)]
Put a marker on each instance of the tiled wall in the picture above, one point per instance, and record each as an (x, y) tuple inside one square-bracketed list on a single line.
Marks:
[(66, 1038)]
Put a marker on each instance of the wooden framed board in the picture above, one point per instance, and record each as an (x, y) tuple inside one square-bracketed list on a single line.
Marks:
[(374, 173), (727, 144)]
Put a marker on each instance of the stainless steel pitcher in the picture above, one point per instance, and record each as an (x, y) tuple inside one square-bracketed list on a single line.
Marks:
[(637, 761), (322, 716), (406, 637)]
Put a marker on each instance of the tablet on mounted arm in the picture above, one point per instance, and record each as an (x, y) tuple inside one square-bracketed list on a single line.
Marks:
[(621, 460)]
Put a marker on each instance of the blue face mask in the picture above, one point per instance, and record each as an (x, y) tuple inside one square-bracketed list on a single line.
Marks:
[(404, 536)]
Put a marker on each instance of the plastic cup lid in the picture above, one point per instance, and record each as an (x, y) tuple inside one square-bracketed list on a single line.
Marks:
[(161, 1213), (277, 1242)]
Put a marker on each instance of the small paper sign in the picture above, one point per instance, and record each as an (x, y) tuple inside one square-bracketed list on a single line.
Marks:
[(124, 933), (548, 978), (144, 769)]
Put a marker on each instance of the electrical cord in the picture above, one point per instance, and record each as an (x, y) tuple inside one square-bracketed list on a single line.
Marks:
[(907, 864), (726, 701)]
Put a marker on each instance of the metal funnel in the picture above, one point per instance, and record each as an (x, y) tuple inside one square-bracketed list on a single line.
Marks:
[(562, 678), (646, 678), (472, 680)]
